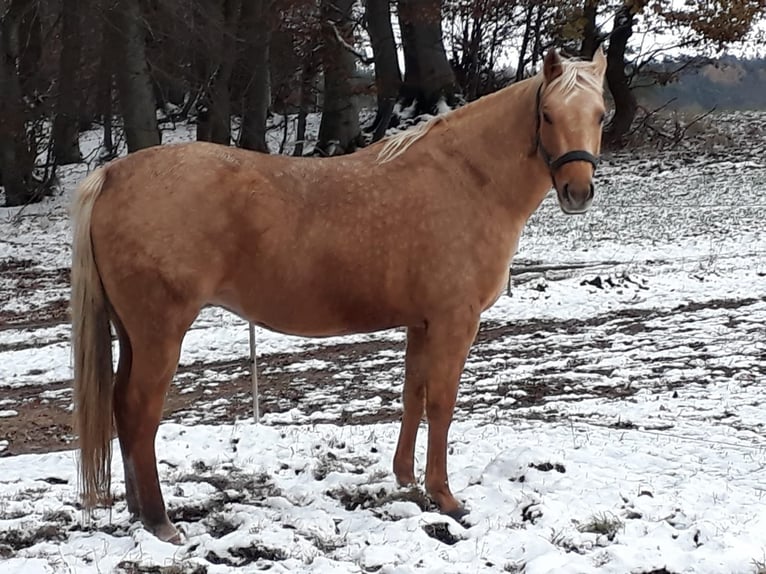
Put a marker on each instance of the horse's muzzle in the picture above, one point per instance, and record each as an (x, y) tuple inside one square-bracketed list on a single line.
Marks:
[(574, 199)]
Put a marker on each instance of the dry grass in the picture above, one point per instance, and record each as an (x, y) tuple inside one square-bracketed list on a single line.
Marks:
[(604, 523)]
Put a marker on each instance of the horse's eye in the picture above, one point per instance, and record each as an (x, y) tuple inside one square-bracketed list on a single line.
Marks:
[(547, 118)]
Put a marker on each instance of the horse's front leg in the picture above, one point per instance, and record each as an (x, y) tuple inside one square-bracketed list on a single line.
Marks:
[(413, 402), (448, 343)]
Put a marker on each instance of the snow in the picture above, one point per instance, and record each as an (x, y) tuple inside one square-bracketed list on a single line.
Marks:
[(694, 506), (610, 418)]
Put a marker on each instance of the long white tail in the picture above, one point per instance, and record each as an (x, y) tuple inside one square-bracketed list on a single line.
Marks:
[(92, 348)]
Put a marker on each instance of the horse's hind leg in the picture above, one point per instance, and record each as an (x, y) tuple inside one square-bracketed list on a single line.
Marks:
[(413, 399), (121, 379), (138, 405)]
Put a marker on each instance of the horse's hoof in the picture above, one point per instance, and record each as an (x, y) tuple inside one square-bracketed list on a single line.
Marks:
[(406, 482), (458, 515), (168, 533), (176, 539)]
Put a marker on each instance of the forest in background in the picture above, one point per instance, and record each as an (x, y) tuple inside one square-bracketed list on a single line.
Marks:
[(70, 65), (727, 83)]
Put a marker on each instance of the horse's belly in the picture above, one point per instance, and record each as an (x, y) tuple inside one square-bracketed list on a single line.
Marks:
[(306, 314)]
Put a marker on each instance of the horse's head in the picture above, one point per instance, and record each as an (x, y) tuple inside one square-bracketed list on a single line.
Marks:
[(570, 108)]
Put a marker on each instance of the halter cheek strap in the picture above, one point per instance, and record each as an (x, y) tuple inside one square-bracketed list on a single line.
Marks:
[(568, 157)]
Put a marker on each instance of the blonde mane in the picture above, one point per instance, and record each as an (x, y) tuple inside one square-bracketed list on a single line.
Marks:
[(397, 144), (576, 74)]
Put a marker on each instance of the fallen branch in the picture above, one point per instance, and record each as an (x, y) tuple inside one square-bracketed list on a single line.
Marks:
[(699, 118), (648, 115)]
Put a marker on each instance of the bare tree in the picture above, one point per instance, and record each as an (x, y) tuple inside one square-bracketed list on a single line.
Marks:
[(133, 80), (307, 95), (388, 77), (477, 29), (255, 28), (526, 37), (339, 130), (536, 38), (16, 160), (30, 49), (697, 23), (296, 51), (220, 19), (428, 76), (625, 104), (66, 132), (105, 86), (591, 39), (537, 34)]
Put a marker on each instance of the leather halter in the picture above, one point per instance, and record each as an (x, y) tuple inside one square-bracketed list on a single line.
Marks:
[(568, 157)]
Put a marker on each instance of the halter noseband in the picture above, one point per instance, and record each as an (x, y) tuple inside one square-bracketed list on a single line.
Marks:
[(568, 157)]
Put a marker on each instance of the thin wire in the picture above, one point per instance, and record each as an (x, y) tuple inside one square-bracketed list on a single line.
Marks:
[(674, 206), (658, 434), (524, 265), (665, 434)]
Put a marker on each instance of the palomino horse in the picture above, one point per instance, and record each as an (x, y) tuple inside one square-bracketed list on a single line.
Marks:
[(417, 231)]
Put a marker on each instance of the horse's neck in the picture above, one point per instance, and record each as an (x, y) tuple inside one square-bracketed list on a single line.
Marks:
[(496, 134)]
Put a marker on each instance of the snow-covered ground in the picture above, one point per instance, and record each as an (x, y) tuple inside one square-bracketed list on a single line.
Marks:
[(611, 416)]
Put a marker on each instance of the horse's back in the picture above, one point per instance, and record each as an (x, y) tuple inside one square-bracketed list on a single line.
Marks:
[(251, 232)]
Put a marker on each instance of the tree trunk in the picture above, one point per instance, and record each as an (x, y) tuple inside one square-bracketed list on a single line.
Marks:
[(66, 132), (105, 87), (590, 36), (339, 131), (388, 77), (625, 105), (255, 26), (205, 17), (30, 47), (134, 84), (428, 76), (537, 35), (216, 66), (105, 80), (220, 112), (473, 76), (308, 77), (16, 160), (520, 67), (300, 132)]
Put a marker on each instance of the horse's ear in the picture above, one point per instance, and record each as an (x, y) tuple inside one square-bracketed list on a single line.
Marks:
[(599, 61), (552, 67)]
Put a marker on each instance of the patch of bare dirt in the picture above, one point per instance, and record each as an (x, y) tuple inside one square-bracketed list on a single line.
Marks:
[(343, 386), (52, 313)]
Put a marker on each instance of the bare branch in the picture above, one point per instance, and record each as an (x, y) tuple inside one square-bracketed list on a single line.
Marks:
[(362, 58), (680, 136), (648, 114)]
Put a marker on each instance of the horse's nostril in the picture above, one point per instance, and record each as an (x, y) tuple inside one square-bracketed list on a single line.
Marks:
[(591, 191), (567, 197)]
